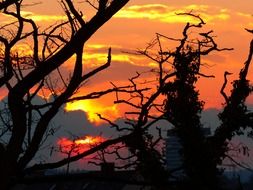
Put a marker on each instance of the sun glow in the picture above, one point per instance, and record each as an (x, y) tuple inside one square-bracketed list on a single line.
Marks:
[(89, 140), (93, 108), (79, 145)]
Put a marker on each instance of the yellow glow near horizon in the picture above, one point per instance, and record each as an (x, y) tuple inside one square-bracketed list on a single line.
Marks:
[(79, 145), (89, 140), (92, 108)]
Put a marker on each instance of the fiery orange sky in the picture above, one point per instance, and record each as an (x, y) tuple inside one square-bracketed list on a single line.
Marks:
[(136, 24)]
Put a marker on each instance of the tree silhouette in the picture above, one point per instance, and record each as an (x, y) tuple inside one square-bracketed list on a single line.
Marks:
[(172, 97), (24, 76), (176, 76)]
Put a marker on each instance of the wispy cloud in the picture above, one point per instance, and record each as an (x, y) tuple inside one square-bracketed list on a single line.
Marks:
[(34, 16), (167, 14), (42, 17), (96, 55)]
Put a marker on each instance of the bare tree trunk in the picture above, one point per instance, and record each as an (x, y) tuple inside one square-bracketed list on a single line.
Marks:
[(7, 170)]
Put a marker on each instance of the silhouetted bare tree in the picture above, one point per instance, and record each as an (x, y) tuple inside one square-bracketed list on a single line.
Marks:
[(172, 96), (183, 107), (176, 76), (24, 76)]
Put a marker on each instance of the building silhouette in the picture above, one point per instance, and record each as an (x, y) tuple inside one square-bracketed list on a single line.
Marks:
[(173, 151)]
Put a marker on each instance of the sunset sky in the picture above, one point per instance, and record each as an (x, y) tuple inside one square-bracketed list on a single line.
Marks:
[(136, 24), (41, 122)]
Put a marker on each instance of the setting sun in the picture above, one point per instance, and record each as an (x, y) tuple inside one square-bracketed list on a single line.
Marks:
[(79, 145), (89, 140), (93, 108)]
